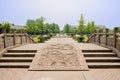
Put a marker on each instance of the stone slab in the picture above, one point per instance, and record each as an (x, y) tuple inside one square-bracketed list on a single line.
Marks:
[(59, 57), (58, 75)]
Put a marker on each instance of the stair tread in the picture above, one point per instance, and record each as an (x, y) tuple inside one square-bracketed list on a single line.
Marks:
[(97, 50), (19, 54), (16, 58), (15, 64), (100, 63), (99, 53), (102, 58), (22, 51)]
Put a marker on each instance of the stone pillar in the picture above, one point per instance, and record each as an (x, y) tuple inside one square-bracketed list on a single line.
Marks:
[(21, 35), (4, 32), (26, 36), (94, 35), (106, 36), (115, 36), (14, 37), (99, 36)]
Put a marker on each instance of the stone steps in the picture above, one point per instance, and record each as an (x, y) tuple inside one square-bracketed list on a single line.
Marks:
[(22, 51), (19, 55), (106, 50), (15, 65), (103, 65), (101, 59), (17, 59), (99, 54)]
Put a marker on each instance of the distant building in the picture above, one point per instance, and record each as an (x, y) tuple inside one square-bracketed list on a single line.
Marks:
[(98, 27), (13, 26)]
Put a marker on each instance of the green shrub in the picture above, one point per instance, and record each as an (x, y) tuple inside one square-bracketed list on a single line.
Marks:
[(72, 34), (46, 38), (41, 39), (36, 39), (80, 39), (74, 37), (49, 36)]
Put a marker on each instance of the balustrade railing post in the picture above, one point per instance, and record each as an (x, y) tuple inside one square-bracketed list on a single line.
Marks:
[(4, 32), (21, 35), (115, 36), (26, 35), (99, 36), (94, 35), (14, 37), (106, 36)]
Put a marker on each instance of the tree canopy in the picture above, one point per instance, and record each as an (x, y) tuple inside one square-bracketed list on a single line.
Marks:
[(5, 25), (85, 29), (66, 28), (82, 28), (39, 26), (81, 25)]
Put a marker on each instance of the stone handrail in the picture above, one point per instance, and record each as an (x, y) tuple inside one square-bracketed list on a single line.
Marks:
[(1, 35), (90, 37), (118, 34), (13, 39), (110, 40)]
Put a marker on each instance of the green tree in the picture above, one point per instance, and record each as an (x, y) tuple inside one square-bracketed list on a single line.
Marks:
[(66, 28), (40, 25), (5, 25), (81, 25), (31, 27), (93, 27), (73, 30), (89, 28), (47, 28), (53, 27), (57, 29)]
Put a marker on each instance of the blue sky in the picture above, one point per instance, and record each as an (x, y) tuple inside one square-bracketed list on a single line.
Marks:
[(103, 12)]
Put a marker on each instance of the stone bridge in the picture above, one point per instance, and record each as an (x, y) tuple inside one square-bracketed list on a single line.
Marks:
[(59, 59)]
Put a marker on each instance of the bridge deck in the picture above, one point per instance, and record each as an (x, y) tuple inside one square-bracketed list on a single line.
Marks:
[(94, 74), (99, 74)]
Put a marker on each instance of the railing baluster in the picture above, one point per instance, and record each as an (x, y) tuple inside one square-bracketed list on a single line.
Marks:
[(94, 35), (4, 32), (14, 37), (115, 36), (107, 30), (21, 35), (99, 37), (26, 36)]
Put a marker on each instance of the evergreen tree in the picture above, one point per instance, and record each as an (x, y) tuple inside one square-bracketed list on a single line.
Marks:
[(66, 28), (81, 25)]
